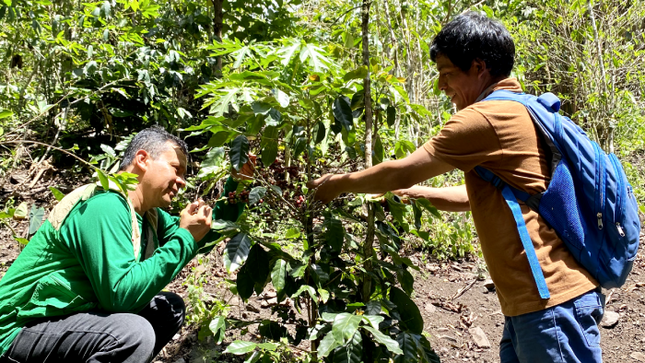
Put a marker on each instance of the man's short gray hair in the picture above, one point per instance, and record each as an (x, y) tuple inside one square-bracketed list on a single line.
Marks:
[(153, 140)]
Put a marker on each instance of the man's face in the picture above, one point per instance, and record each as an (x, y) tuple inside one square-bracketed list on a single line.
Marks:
[(166, 175), (463, 88)]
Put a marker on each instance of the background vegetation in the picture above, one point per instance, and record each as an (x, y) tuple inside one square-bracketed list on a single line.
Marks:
[(309, 87)]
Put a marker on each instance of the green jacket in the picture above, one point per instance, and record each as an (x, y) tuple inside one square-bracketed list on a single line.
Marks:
[(90, 262)]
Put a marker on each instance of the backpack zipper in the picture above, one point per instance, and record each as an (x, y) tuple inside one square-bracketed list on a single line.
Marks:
[(619, 204), (600, 197)]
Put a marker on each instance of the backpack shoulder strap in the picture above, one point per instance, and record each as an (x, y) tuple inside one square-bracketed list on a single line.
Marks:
[(152, 216), (511, 200), (64, 207)]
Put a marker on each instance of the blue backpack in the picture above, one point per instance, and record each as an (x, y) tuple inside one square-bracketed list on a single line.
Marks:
[(588, 201)]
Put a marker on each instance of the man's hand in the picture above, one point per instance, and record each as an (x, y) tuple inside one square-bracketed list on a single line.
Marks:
[(196, 218), (449, 199), (327, 188), (247, 171)]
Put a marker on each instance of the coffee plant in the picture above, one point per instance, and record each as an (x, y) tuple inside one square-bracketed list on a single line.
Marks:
[(303, 115)]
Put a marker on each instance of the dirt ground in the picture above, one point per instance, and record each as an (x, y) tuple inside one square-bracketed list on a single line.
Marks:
[(462, 316)]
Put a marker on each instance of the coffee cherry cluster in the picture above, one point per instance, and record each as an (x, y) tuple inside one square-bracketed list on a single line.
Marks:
[(300, 201), (279, 172), (243, 197)]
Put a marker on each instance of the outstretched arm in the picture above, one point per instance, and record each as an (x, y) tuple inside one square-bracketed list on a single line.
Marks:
[(389, 175), (449, 199)]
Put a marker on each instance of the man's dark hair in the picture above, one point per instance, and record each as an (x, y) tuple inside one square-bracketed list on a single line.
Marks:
[(153, 140), (472, 36)]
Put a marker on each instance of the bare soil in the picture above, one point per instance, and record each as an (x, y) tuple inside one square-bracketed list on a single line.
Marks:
[(452, 297)]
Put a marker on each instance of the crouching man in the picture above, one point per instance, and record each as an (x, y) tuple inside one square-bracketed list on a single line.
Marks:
[(87, 288)]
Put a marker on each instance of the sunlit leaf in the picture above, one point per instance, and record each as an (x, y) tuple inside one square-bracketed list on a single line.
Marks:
[(292, 233), (240, 347), (358, 73), (236, 251), (103, 179), (57, 193), (315, 57), (5, 114), (279, 274), (374, 320), (345, 325), (218, 327), (327, 345), (282, 98), (286, 53), (21, 211), (213, 163), (310, 290), (22, 241)]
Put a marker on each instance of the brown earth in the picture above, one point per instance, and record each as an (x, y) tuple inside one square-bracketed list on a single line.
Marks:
[(452, 297)]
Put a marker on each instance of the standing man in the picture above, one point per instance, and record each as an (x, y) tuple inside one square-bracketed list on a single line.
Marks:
[(87, 288), (474, 56)]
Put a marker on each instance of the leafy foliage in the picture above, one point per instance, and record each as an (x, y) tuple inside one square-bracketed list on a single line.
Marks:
[(283, 80)]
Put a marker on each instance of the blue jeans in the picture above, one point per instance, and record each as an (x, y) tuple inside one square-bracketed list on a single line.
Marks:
[(564, 333)]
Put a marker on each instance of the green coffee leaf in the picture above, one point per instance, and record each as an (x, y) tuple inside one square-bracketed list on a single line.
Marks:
[(408, 310), (256, 194), (352, 352), (240, 347), (218, 327), (278, 275), (327, 345), (343, 112), (236, 251), (239, 152), (391, 344), (245, 282), (345, 325)]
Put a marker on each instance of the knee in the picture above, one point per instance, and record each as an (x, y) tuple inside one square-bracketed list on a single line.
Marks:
[(172, 306), (140, 333), (133, 336)]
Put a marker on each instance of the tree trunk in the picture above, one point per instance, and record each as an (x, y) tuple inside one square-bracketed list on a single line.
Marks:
[(218, 21), (368, 249)]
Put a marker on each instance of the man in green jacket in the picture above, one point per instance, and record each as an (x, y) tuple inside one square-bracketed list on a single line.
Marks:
[(88, 286)]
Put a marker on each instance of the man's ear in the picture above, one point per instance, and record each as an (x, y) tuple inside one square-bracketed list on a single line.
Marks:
[(142, 159), (479, 66)]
